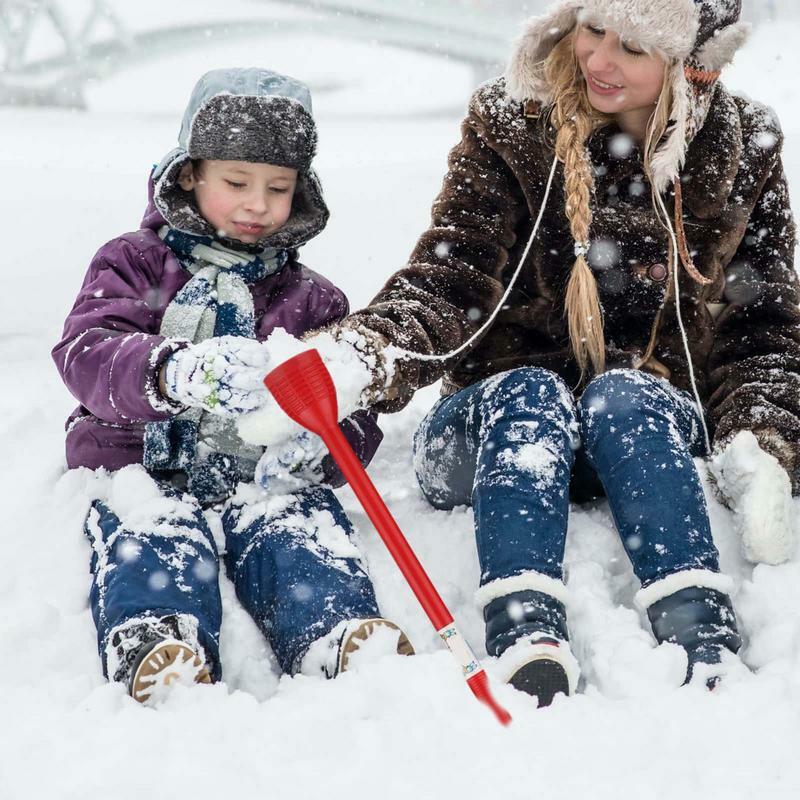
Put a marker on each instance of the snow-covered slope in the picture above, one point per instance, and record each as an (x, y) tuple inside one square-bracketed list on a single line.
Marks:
[(402, 727)]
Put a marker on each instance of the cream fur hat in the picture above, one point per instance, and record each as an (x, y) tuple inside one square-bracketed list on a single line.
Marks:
[(698, 37)]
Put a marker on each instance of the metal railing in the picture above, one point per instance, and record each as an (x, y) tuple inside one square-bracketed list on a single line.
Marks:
[(470, 31)]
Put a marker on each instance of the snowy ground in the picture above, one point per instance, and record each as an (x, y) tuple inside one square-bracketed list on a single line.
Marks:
[(403, 727)]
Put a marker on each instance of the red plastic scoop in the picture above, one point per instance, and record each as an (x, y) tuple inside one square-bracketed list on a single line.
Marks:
[(304, 389)]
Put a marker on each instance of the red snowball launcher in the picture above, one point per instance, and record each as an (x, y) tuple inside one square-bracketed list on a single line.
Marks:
[(303, 388)]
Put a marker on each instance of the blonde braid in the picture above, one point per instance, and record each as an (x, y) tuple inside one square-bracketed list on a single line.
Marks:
[(574, 120)]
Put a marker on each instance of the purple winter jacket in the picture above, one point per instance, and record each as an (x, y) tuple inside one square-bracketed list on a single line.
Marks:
[(111, 352)]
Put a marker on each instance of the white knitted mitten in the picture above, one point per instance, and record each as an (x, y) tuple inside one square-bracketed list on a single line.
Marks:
[(223, 375), (759, 492)]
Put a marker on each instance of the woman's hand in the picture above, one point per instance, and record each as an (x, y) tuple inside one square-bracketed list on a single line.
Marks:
[(356, 366), (758, 491), (223, 375)]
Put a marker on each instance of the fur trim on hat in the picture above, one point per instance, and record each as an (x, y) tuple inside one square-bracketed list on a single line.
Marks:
[(720, 49), (670, 157), (253, 115), (261, 130), (179, 208), (666, 26), (541, 35), (669, 28)]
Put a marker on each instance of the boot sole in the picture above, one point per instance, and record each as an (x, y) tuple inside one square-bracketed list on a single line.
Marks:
[(162, 665), (353, 641), (542, 678)]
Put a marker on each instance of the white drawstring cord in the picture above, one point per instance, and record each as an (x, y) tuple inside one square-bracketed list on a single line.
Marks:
[(686, 348), (399, 351)]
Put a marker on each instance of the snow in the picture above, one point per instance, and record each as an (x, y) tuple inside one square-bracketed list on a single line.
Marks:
[(536, 459), (399, 727)]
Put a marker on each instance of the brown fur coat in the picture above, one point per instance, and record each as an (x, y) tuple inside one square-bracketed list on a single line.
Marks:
[(738, 226)]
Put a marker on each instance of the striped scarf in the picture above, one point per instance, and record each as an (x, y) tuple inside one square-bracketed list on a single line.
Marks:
[(216, 301)]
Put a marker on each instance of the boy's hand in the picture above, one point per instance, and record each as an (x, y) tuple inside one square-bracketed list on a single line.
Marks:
[(287, 467), (223, 375), (758, 491)]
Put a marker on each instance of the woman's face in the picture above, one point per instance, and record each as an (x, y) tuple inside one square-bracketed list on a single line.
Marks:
[(620, 77)]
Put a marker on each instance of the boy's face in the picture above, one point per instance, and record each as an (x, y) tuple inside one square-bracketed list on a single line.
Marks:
[(241, 199)]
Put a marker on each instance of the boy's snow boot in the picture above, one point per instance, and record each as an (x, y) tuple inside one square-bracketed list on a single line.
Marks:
[(703, 623), (362, 636), (160, 665), (352, 643), (527, 632), (151, 654)]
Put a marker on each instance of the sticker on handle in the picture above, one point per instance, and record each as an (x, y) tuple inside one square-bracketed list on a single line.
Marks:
[(458, 646)]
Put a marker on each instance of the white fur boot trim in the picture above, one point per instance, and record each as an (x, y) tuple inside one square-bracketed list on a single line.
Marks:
[(697, 578), (528, 649), (526, 582)]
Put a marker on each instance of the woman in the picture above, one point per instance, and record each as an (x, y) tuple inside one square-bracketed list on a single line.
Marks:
[(614, 232)]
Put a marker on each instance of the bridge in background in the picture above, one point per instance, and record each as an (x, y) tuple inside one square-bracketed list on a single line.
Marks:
[(97, 42)]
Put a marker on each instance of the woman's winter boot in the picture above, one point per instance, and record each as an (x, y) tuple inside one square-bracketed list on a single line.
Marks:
[(702, 622), (527, 632)]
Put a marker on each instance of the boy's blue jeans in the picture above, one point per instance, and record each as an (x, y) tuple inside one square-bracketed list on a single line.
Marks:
[(291, 560), (508, 445)]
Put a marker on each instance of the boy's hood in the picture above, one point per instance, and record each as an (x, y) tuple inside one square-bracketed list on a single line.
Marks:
[(244, 115)]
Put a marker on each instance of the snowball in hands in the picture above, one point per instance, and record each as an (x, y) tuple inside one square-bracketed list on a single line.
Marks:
[(223, 375), (351, 376), (760, 494)]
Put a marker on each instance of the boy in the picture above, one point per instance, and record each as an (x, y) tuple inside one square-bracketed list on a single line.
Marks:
[(163, 349)]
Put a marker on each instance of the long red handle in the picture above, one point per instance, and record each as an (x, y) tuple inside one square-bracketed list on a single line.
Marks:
[(386, 526), (409, 565)]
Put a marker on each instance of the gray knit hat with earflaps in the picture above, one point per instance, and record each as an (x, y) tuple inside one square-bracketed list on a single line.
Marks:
[(698, 37), (246, 115)]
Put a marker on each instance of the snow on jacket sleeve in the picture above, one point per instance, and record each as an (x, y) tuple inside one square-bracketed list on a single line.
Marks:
[(755, 362), (110, 352), (361, 428), (453, 279)]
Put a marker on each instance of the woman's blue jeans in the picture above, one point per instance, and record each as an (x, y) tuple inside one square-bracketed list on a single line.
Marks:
[(508, 445)]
